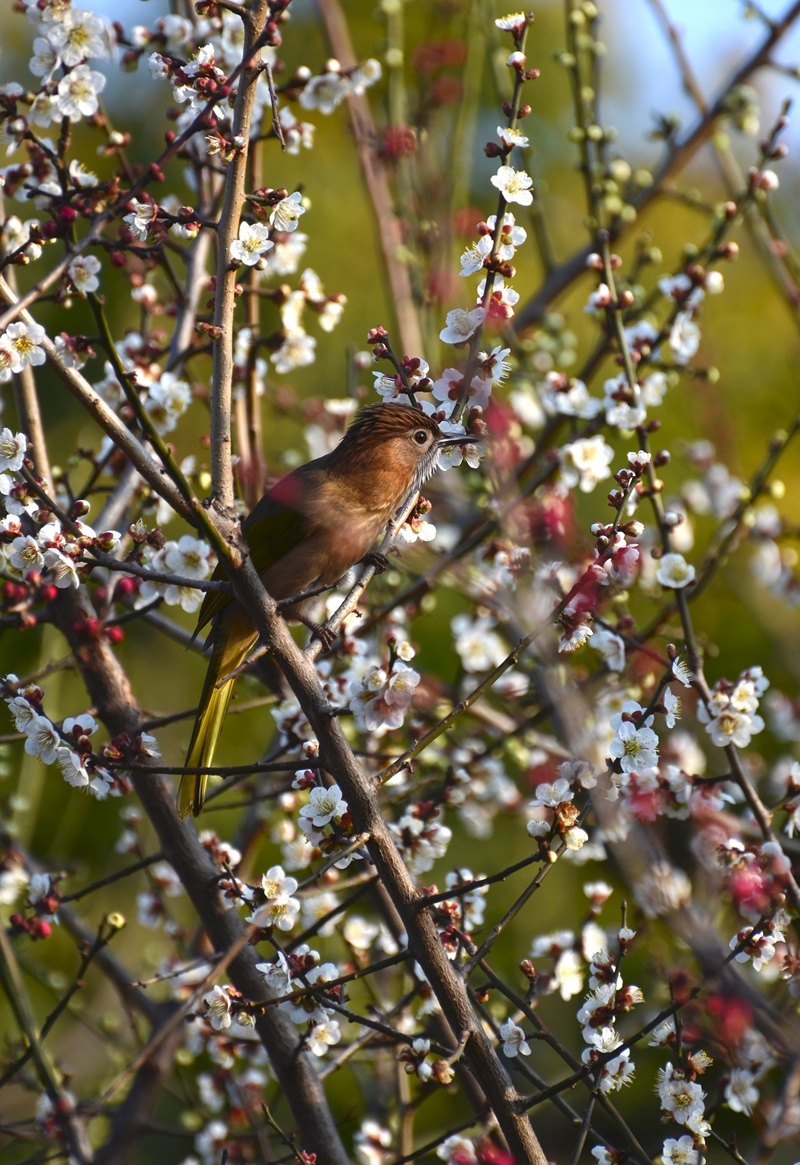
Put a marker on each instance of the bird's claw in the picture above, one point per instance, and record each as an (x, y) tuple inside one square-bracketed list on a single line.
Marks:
[(325, 635), (376, 559)]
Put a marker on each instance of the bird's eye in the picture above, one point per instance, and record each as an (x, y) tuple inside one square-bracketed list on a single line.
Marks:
[(421, 437)]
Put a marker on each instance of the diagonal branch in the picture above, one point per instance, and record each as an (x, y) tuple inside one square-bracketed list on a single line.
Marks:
[(423, 939), (111, 693)]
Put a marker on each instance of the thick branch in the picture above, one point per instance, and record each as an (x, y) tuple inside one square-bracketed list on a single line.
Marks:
[(423, 939), (110, 691)]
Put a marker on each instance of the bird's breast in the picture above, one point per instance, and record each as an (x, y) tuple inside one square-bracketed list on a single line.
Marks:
[(345, 535), (342, 527)]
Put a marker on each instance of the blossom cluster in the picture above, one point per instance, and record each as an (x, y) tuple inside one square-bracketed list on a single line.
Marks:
[(731, 715), (299, 982), (187, 558), (468, 389), (69, 744), (609, 999)]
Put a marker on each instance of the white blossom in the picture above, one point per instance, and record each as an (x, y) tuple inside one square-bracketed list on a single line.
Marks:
[(325, 804), (140, 217), (13, 447), (285, 257), (25, 340), (21, 711), (73, 768), (79, 35), (741, 1093), (18, 236), (477, 643), (325, 93), (573, 401), (612, 648), (296, 351), (684, 337), (284, 216), (45, 59), (680, 1098), (512, 138), (460, 325), (78, 93), (167, 400), (634, 746), (674, 571), (617, 1073), (673, 706), (662, 889), (552, 793), (456, 1150), (365, 75), (514, 1042), (157, 67), (323, 1036), (472, 259), (421, 842), (42, 739), (585, 462), (511, 236), (297, 134), (511, 22), (281, 909), (380, 701), (514, 185), (26, 555), (219, 1008), (681, 1151), (83, 271), (252, 243)]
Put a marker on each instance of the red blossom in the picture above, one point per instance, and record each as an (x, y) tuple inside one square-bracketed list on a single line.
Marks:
[(732, 1015), (490, 1154), (397, 141), (443, 54), (750, 887), (446, 90), (645, 804)]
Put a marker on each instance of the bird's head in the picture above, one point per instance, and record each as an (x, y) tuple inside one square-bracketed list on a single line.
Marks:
[(397, 438)]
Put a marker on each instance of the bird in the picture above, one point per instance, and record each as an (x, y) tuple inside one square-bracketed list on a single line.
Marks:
[(308, 530)]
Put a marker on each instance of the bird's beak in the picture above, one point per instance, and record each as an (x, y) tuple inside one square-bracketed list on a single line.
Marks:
[(464, 439)]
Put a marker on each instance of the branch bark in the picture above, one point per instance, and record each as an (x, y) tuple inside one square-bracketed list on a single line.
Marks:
[(110, 691), (222, 376), (337, 758)]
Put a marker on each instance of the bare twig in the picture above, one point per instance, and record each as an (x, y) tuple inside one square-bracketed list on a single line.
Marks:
[(255, 18)]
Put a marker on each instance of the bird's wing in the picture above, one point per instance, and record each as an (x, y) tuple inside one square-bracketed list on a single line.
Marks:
[(274, 526)]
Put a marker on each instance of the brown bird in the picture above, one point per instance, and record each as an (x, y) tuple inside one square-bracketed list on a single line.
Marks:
[(308, 530)]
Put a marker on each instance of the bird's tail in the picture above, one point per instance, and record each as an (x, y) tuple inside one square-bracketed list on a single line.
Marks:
[(230, 649)]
